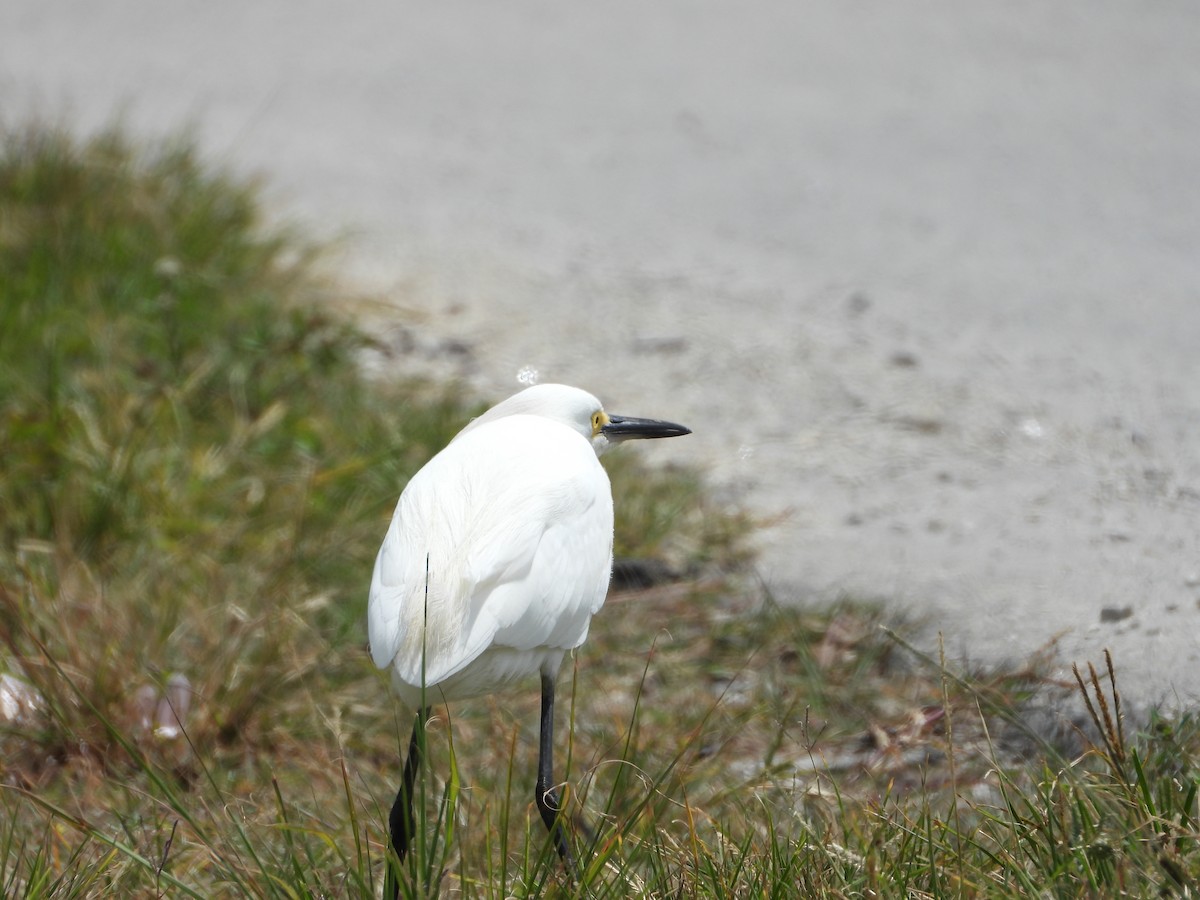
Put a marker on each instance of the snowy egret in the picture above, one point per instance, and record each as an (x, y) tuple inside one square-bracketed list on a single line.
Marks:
[(497, 557)]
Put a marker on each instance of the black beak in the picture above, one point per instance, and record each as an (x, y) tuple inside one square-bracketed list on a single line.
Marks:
[(624, 428)]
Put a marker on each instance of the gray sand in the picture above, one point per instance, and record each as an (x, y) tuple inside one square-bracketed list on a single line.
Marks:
[(924, 277)]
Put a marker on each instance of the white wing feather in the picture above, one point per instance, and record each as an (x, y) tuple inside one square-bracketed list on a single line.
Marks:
[(519, 551)]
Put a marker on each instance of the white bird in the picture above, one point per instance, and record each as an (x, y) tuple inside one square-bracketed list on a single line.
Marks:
[(497, 557)]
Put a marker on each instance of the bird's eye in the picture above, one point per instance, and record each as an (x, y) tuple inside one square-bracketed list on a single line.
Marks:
[(597, 421)]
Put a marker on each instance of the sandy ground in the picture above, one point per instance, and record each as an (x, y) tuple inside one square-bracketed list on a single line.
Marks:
[(923, 276)]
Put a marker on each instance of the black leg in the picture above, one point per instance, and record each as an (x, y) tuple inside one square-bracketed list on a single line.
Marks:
[(401, 821), (547, 800)]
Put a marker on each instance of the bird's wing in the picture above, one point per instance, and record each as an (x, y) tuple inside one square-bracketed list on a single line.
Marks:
[(542, 589), (515, 520)]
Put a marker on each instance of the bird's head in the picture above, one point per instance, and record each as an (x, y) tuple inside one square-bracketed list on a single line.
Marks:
[(579, 410)]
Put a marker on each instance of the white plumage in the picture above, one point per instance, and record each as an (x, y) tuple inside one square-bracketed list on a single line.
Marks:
[(501, 548), (497, 557)]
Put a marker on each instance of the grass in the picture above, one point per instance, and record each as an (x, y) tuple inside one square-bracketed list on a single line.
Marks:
[(194, 480)]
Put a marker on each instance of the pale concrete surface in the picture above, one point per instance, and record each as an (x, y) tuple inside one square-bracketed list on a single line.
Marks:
[(925, 276)]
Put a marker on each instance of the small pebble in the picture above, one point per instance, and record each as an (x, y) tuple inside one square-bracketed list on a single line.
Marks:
[(920, 423), (1115, 613), (1031, 428)]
